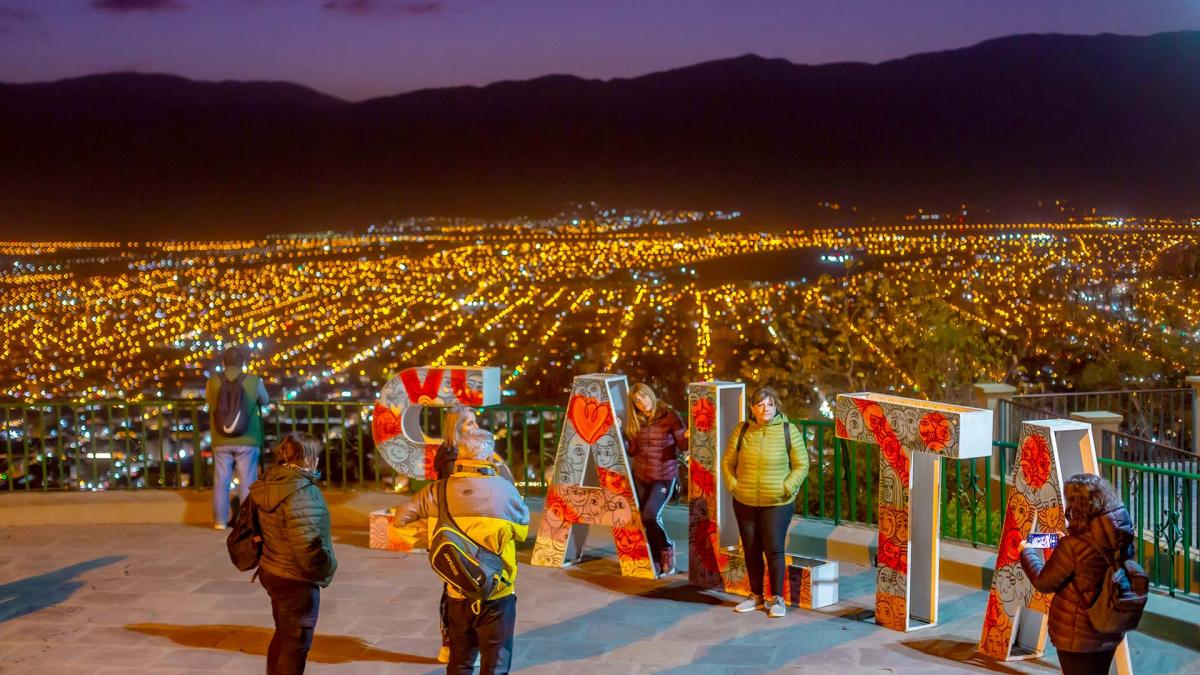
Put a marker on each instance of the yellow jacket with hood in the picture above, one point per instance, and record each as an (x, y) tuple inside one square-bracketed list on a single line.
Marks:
[(487, 508)]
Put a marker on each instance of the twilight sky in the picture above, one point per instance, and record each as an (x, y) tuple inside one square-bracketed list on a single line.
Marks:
[(357, 49)]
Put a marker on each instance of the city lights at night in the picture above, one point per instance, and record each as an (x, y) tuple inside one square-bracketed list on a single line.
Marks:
[(326, 313)]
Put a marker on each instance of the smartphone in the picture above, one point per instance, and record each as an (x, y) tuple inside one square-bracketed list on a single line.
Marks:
[(1042, 540)]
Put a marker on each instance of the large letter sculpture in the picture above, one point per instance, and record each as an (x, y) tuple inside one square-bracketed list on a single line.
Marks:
[(912, 436), (591, 452), (715, 410), (396, 426), (1014, 625)]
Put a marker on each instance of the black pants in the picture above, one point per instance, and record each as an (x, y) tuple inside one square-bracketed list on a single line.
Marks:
[(442, 616), (653, 496), (1085, 663), (764, 530), (294, 604), (488, 634)]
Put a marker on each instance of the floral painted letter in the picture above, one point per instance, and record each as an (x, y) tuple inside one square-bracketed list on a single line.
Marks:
[(592, 483), (913, 436), (396, 424)]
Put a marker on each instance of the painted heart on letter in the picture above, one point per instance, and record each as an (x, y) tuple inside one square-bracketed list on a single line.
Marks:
[(590, 417)]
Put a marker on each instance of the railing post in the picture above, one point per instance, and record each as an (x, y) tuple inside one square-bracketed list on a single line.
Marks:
[(1194, 381), (1101, 421), (989, 395)]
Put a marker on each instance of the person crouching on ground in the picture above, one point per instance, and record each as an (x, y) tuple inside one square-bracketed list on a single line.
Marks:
[(656, 437), (297, 555), (1099, 530), (765, 464), (491, 512)]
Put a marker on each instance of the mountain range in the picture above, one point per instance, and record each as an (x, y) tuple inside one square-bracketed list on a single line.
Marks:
[(1107, 121)]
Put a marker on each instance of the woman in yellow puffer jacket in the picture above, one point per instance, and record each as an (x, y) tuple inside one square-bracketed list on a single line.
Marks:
[(764, 466)]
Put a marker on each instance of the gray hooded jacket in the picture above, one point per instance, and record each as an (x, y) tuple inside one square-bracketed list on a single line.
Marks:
[(295, 526)]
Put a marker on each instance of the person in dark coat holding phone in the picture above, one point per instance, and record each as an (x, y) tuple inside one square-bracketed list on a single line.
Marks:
[(1099, 528)]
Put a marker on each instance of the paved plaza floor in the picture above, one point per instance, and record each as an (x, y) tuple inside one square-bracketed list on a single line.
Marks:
[(164, 598)]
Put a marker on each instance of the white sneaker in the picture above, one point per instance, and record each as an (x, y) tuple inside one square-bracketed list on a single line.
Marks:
[(778, 609), (749, 604)]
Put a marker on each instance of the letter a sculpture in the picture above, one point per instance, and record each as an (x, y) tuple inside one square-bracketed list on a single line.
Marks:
[(913, 436), (396, 425), (591, 452)]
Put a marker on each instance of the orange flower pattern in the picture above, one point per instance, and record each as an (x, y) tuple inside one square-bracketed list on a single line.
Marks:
[(1035, 460), (703, 412), (934, 430), (1035, 500)]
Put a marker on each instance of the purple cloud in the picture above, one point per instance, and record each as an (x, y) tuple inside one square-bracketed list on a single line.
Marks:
[(123, 6), (382, 7)]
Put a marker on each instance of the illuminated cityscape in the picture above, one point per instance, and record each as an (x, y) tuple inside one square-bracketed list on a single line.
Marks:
[(727, 338), (675, 297)]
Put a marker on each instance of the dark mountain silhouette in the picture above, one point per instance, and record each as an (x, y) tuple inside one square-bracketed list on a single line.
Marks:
[(1105, 120)]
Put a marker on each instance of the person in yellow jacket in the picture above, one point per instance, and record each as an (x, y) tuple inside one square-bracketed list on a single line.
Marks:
[(765, 464), (489, 510)]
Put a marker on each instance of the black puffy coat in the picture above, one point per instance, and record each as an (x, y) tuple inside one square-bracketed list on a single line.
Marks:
[(656, 446), (295, 526), (1073, 573)]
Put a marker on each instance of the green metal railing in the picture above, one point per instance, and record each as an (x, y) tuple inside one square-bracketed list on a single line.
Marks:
[(107, 445), (122, 445), (1162, 503)]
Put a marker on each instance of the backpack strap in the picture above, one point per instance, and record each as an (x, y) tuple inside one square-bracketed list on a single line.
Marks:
[(787, 438), (741, 435), (444, 516)]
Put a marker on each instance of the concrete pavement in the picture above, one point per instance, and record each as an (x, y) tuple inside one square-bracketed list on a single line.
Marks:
[(163, 598)]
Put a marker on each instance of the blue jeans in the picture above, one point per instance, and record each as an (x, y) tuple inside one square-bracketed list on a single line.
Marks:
[(225, 457)]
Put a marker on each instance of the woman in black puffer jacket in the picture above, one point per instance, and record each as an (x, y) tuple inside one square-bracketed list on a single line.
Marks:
[(1075, 571), (297, 557), (656, 437)]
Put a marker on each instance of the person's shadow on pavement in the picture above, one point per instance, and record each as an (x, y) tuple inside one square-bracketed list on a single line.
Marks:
[(32, 594)]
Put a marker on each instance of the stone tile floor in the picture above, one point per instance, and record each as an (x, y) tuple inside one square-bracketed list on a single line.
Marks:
[(165, 599)]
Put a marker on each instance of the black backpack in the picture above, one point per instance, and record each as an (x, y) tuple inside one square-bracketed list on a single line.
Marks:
[(466, 566), (245, 539), (232, 419), (1123, 593)]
